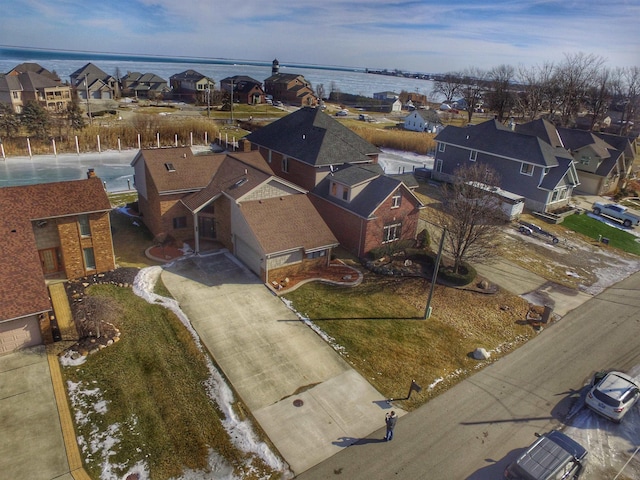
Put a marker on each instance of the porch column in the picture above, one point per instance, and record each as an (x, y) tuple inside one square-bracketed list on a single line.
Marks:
[(196, 237)]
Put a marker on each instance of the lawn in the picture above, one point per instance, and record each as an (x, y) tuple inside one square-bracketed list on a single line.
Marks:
[(596, 229), (380, 330), (145, 400)]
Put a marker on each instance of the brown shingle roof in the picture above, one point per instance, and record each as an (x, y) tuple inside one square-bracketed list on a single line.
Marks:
[(21, 277), (287, 222), (190, 172)]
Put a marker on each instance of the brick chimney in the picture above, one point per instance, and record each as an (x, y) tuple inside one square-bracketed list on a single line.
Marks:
[(91, 173)]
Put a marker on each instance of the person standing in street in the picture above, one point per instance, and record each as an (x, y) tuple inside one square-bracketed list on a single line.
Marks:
[(390, 419)]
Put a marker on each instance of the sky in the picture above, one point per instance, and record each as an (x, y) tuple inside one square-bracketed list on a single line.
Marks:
[(429, 36)]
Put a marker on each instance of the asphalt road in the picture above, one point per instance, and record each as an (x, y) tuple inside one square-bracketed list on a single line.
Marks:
[(476, 428)]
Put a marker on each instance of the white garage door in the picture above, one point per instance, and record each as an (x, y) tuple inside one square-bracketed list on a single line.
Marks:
[(21, 333), (248, 255)]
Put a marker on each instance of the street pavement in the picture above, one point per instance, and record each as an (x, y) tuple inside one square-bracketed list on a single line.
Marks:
[(475, 429)]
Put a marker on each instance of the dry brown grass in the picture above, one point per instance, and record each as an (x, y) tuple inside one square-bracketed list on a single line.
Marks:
[(398, 139)]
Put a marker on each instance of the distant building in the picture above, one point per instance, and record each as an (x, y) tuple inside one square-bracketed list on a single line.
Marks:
[(35, 68), (144, 85), (423, 121), (245, 89), (386, 96), (18, 89), (289, 88), (190, 86), (92, 83)]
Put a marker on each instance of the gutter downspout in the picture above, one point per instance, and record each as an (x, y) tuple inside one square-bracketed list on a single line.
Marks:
[(196, 237)]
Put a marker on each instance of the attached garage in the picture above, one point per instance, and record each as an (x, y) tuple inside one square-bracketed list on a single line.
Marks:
[(20, 333), (250, 257)]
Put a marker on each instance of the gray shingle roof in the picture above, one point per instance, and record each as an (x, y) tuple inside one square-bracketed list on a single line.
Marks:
[(313, 137)]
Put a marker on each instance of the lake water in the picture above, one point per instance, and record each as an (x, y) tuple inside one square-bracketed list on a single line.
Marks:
[(353, 81)]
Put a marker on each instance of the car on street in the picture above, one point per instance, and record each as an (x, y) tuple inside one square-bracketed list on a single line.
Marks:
[(613, 395), (552, 456), (342, 113), (278, 103)]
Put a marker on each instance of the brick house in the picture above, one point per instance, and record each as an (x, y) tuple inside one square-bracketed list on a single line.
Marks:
[(43, 239), (234, 200), (363, 207), (191, 86), (289, 88), (245, 89), (143, 85), (90, 81)]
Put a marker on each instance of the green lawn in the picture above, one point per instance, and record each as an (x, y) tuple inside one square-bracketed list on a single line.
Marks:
[(153, 383), (596, 229)]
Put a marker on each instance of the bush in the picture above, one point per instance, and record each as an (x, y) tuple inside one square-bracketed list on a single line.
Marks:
[(423, 239), (465, 276)]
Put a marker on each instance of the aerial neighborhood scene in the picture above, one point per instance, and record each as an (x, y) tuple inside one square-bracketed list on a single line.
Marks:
[(267, 242)]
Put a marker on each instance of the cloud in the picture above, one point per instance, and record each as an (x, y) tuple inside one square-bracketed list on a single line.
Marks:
[(424, 35)]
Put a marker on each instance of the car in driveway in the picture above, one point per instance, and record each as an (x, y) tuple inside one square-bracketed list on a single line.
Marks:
[(342, 113), (613, 395), (553, 456)]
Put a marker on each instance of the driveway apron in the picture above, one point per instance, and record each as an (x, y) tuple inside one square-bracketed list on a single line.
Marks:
[(307, 399)]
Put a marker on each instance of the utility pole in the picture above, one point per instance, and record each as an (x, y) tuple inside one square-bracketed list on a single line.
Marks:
[(208, 101), (86, 84), (231, 102), (434, 278)]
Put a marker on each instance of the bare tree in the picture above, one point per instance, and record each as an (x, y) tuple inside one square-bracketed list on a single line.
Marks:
[(626, 90), (598, 97), (471, 211), (471, 88), (448, 86), (320, 93), (574, 76), (536, 87), (500, 93)]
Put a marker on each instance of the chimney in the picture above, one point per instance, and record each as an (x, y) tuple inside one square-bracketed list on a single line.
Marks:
[(91, 173)]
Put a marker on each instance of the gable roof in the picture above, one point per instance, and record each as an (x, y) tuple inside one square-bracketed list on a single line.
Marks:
[(178, 169), (190, 75), (92, 74), (21, 278), (429, 115), (494, 138), (577, 139), (375, 192), (313, 137), (543, 129), (35, 68), (286, 223)]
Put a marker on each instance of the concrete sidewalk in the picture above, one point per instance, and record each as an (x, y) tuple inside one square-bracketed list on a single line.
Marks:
[(308, 400), (532, 287)]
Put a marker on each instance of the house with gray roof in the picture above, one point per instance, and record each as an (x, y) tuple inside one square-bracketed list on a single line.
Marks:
[(423, 120), (233, 200), (143, 85), (92, 83), (244, 89), (529, 166), (18, 89), (364, 208), (190, 86)]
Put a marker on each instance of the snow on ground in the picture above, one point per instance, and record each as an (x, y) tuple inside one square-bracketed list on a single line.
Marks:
[(613, 448), (398, 161), (88, 402)]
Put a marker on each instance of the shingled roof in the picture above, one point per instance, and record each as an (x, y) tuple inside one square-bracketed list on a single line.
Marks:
[(313, 137), (287, 223), (21, 278)]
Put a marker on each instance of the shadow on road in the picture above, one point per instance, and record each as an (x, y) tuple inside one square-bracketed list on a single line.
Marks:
[(496, 468), (352, 441)]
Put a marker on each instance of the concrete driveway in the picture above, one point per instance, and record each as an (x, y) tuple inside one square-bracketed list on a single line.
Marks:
[(31, 442), (307, 399)]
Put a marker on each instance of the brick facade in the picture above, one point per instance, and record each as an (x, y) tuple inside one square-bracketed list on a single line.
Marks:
[(297, 172), (72, 245)]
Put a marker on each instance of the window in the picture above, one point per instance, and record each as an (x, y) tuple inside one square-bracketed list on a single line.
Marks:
[(584, 160), (334, 189), (285, 164), (391, 232), (441, 147), (179, 222), (169, 167), (83, 223), (89, 259), (473, 155), (345, 193), (554, 197), (318, 254), (526, 169), (395, 201), (439, 165)]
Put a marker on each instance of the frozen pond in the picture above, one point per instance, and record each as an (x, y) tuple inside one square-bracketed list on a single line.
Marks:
[(114, 168)]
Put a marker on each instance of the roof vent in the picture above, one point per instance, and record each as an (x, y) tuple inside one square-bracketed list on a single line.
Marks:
[(240, 182), (184, 155), (304, 136)]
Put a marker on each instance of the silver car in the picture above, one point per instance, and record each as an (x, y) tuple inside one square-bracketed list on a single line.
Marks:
[(613, 395)]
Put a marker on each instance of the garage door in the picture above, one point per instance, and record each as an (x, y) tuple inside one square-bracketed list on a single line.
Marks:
[(21, 333), (248, 255)]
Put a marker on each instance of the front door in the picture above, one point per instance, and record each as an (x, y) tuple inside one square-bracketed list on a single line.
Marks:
[(50, 260), (207, 227)]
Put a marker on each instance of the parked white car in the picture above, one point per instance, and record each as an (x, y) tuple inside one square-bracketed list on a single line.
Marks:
[(613, 395)]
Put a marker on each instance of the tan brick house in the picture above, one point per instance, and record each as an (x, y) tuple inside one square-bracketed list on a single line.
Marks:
[(235, 200), (51, 230)]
